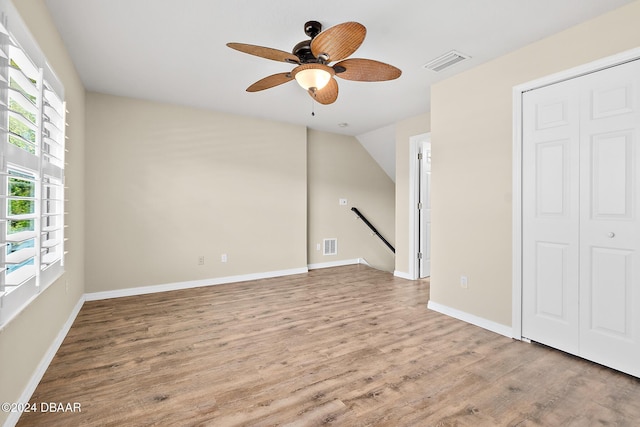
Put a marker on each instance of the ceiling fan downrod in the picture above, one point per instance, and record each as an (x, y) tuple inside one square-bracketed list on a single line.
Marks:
[(303, 49)]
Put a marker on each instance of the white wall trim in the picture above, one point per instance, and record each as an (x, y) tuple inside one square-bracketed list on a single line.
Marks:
[(403, 275), (94, 296), (337, 263), (13, 417), (591, 67), (498, 328), (516, 217), (414, 177)]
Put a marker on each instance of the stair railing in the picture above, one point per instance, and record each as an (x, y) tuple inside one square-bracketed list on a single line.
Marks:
[(366, 221)]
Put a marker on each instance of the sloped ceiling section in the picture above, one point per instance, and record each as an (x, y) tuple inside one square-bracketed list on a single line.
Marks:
[(381, 145)]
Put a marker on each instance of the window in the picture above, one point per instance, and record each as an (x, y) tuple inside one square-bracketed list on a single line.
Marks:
[(32, 137)]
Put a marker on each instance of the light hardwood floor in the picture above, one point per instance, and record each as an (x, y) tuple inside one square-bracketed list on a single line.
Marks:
[(346, 346)]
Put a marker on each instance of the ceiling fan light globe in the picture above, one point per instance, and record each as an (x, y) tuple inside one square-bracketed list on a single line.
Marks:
[(313, 78)]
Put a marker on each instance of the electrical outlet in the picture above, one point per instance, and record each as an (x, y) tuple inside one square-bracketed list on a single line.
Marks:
[(223, 258), (464, 282), (318, 247), (201, 260)]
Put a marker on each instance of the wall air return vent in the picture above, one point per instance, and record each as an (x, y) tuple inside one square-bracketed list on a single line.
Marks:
[(330, 246), (446, 61)]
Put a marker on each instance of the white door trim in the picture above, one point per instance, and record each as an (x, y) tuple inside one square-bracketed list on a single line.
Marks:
[(414, 196), (591, 67), (424, 200)]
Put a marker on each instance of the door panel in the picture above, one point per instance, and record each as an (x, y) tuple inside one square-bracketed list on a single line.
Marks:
[(552, 186), (550, 217), (612, 196), (609, 218), (551, 281), (612, 99), (611, 287), (581, 216)]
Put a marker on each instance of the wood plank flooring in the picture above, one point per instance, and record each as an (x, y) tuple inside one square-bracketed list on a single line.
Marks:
[(345, 346)]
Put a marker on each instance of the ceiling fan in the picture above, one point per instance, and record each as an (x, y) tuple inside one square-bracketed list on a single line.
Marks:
[(313, 57)]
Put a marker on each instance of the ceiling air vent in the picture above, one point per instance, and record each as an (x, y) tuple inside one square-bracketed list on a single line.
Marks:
[(446, 61)]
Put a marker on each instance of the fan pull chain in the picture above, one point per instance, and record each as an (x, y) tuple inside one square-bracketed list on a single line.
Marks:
[(313, 108)]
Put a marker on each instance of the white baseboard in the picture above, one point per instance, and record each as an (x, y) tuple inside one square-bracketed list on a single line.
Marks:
[(403, 275), (95, 296), (337, 263), (13, 417), (498, 328)]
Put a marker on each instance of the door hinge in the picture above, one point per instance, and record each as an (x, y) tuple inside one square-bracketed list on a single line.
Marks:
[(419, 255), (420, 205), (419, 156)]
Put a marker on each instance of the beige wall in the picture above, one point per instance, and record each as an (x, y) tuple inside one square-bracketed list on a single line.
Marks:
[(471, 167), (405, 129), (339, 167), (25, 340), (168, 184)]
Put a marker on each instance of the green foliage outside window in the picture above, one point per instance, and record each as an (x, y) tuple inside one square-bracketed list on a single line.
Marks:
[(16, 107), (14, 85), (25, 132), (18, 128), (21, 188)]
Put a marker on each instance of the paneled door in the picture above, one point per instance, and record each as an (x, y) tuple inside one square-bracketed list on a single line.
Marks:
[(609, 218), (581, 209), (550, 181)]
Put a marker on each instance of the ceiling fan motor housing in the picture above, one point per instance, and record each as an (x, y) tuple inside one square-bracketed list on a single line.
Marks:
[(303, 49)]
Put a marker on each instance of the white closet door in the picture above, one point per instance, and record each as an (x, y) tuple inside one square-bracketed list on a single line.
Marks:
[(581, 216), (550, 216), (609, 218)]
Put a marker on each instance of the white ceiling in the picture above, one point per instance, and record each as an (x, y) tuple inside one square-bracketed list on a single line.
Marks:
[(174, 50)]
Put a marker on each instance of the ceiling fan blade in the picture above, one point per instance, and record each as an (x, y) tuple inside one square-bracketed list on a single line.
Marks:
[(339, 42), (326, 95), (265, 52), (366, 70), (270, 81)]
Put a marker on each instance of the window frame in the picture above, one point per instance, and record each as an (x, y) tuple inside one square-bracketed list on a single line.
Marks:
[(31, 100)]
